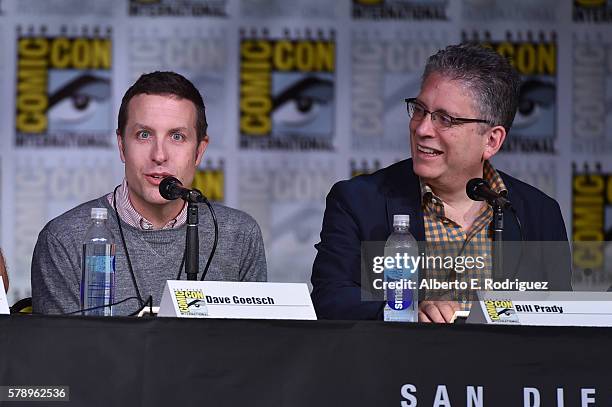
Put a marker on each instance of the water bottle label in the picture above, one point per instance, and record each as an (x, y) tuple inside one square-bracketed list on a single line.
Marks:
[(100, 264), (399, 297)]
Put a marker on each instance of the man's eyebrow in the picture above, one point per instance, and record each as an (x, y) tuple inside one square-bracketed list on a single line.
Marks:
[(142, 126), (145, 127), (184, 129)]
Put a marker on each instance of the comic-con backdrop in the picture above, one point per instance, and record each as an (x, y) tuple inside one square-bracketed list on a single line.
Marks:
[(299, 95)]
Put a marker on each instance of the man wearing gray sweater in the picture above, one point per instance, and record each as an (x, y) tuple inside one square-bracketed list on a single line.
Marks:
[(161, 132)]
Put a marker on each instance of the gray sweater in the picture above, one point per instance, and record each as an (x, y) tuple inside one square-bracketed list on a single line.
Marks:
[(155, 254)]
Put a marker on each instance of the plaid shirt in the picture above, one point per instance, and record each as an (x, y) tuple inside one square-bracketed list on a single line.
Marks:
[(447, 238), (129, 215)]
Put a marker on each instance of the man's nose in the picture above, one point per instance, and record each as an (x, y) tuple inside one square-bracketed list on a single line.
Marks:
[(159, 153), (424, 127)]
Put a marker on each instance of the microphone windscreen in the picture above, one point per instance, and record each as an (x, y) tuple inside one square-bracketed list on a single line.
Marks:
[(168, 190), (472, 187)]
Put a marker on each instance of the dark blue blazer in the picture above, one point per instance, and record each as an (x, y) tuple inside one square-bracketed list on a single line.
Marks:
[(362, 209)]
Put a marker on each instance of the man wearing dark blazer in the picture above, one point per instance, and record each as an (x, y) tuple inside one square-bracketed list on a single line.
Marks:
[(460, 119)]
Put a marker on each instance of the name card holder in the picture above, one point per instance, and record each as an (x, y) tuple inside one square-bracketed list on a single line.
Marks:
[(228, 299), (552, 308)]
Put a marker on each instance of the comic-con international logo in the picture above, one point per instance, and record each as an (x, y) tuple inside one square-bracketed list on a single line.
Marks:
[(400, 9), (534, 55), (210, 179), (592, 11), (178, 8), (591, 223), (190, 302), (501, 311), (287, 90), (63, 95)]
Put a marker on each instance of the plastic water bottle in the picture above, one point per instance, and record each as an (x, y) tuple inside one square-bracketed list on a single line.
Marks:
[(98, 268), (402, 303)]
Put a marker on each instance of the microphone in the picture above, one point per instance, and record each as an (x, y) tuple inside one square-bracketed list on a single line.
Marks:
[(171, 188), (478, 189)]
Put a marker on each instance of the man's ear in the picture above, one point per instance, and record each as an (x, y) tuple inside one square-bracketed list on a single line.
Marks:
[(120, 145), (494, 141), (200, 150)]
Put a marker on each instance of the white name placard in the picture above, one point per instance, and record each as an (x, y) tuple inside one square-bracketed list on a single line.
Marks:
[(539, 308), (4, 308), (228, 299)]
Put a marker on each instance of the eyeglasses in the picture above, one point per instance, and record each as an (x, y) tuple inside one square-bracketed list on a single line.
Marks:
[(417, 112)]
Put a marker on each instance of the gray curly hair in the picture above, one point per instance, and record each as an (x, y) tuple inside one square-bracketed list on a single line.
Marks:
[(494, 83)]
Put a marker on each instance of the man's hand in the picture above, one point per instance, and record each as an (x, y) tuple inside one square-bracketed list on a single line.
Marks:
[(437, 311)]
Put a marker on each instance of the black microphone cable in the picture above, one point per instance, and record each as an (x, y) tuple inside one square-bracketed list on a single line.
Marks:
[(216, 237), (148, 302), (143, 304), (214, 246), (471, 189), (101, 306), (127, 254), (518, 221), (171, 188), (138, 296)]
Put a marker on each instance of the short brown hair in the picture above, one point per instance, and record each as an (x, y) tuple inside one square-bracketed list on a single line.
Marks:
[(165, 83)]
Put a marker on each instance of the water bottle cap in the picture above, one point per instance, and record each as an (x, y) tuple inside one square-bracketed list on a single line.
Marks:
[(99, 213), (401, 220)]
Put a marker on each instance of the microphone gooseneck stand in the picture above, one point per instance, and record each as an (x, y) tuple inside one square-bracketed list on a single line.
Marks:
[(192, 237), (192, 243), (171, 188), (478, 189), (498, 241)]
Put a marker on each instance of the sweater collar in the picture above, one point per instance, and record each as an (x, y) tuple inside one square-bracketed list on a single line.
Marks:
[(130, 215)]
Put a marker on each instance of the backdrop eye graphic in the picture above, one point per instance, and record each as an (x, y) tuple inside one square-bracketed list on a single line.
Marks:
[(196, 304), (79, 99), (301, 102), (536, 101)]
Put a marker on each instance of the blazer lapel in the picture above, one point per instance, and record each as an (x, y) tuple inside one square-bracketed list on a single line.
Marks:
[(512, 233), (403, 197)]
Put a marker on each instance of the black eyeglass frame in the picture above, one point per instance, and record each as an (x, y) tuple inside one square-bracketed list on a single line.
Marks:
[(453, 120)]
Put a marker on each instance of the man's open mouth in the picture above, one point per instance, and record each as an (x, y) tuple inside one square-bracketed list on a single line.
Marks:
[(429, 151)]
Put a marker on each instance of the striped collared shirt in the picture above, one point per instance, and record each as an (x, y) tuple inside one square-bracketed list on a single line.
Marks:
[(129, 215), (447, 238)]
